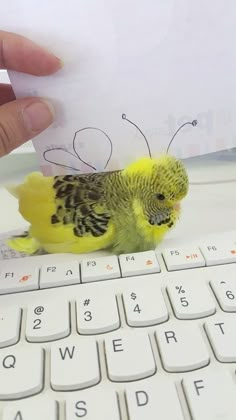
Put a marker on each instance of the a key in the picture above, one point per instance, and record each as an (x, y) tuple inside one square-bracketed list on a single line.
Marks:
[(101, 268), (37, 409), (92, 404), (13, 281), (48, 321), (139, 263), (221, 331), (153, 399), (74, 364), (59, 274), (225, 291), (21, 372), (181, 346), (9, 326), (129, 356), (181, 258), (144, 305), (191, 299), (211, 396), (219, 253), (97, 312)]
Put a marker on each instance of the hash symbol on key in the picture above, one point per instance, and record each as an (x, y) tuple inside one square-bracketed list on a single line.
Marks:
[(86, 302)]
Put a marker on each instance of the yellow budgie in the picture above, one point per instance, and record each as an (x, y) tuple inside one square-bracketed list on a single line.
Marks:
[(123, 211)]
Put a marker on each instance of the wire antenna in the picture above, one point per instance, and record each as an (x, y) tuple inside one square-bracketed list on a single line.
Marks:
[(193, 123), (145, 138)]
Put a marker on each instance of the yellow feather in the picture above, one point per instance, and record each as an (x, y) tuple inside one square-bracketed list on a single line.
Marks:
[(37, 204), (145, 166), (25, 245)]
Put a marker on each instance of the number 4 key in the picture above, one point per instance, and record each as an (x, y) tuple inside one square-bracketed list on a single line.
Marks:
[(144, 305)]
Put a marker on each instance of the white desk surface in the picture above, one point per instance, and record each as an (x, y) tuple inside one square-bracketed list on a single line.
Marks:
[(207, 209)]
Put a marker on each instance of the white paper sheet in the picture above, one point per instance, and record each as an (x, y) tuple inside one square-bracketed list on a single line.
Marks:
[(160, 62)]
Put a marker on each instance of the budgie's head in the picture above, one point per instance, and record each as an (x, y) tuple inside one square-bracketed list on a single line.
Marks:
[(159, 185)]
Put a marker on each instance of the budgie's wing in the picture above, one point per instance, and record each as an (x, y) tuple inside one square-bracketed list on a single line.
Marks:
[(80, 200), (66, 213)]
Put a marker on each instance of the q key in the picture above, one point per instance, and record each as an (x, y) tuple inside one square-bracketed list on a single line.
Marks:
[(21, 372)]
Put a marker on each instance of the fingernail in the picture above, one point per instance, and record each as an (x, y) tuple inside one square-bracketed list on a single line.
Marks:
[(38, 115)]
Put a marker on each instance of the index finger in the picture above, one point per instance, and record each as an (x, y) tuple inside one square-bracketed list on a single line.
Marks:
[(20, 54)]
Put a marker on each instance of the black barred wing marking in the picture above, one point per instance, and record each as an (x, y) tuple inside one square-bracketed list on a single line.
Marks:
[(80, 201)]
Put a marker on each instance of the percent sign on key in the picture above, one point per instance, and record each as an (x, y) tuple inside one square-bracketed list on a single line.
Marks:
[(180, 289)]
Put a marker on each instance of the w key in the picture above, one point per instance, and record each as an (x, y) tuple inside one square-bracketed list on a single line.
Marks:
[(74, 364)]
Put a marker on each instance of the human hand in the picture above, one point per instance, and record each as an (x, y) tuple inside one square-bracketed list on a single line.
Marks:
[(22, 119)]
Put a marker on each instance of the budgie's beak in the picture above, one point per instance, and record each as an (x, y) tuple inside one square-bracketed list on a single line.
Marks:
[(177, 206)]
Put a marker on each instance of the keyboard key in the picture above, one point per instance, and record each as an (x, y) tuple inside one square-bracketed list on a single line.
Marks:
[(221, 331), (129, 356), (21, 372), (97, 312), (181, 346), (20, 280), (191, 299), (153, 399), (101, 268), (211, 396), (39, 408), (9, 326), (60, 274), (181, 258), (144, 305), (225, 291), (47, 321), (220, 253), (74, 364), (93, 404), (139, 263)]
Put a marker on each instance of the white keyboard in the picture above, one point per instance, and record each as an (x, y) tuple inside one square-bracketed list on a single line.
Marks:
[(140, 336)]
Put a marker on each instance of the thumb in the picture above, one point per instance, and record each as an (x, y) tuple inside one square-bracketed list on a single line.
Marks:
[(21, 120)]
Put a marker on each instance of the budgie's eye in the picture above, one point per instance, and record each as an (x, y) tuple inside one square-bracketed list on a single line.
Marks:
[(160, 197)]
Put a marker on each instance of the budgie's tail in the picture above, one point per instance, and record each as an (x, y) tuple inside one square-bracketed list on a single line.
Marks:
[(24, 243)]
